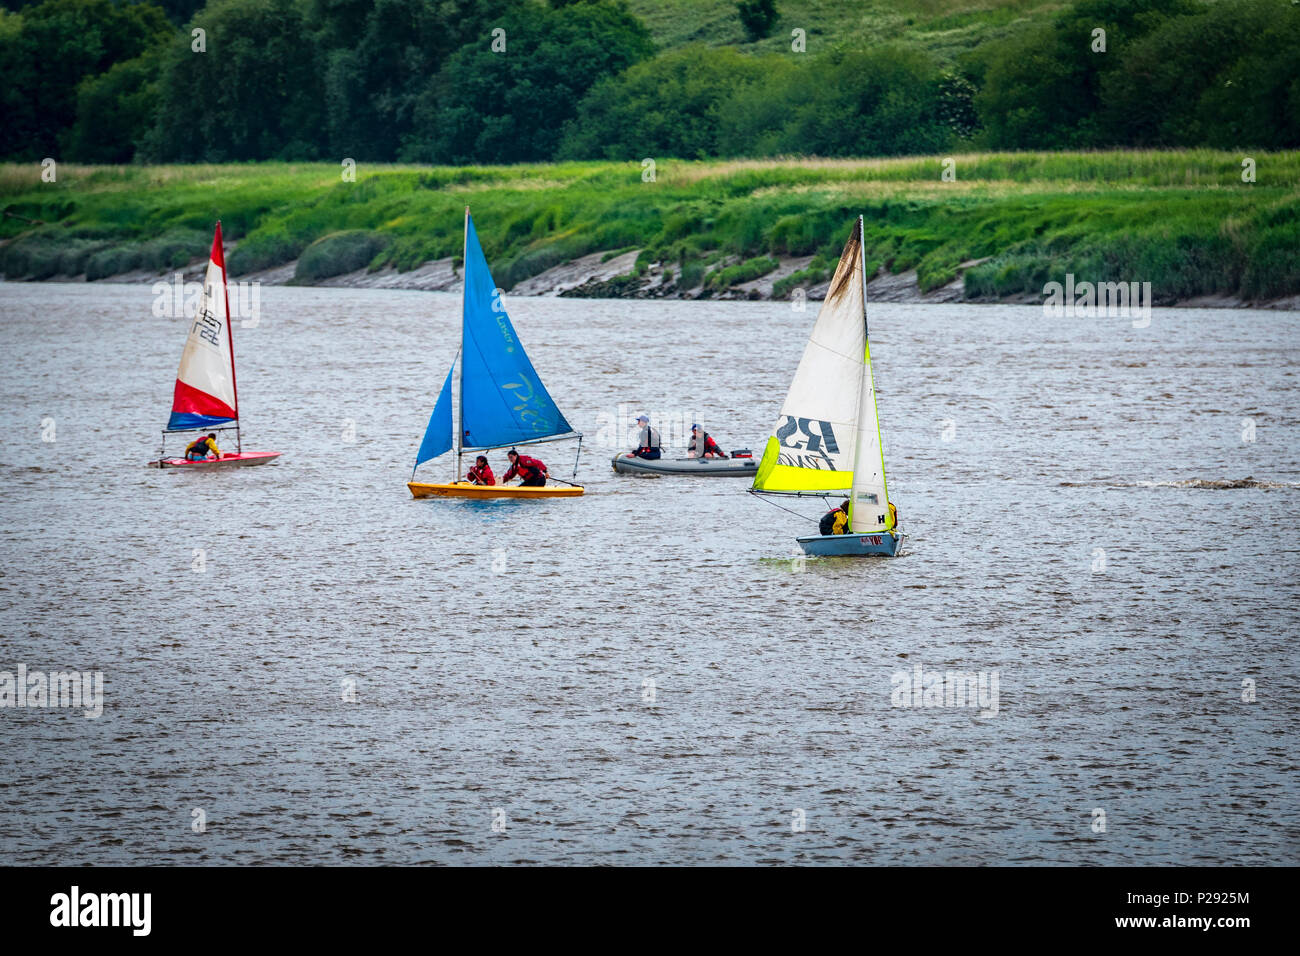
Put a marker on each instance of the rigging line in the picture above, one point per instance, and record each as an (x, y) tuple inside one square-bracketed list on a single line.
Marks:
[(783, 507)]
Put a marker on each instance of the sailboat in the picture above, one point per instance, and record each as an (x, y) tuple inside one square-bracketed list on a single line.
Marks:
[(500, 400), (827, 439), (205, 398)]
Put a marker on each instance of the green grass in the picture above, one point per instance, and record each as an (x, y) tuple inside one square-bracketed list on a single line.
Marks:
[(932, 24), (1182, 220)]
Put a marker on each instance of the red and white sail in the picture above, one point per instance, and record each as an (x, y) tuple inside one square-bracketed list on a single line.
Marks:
[(205, 393)]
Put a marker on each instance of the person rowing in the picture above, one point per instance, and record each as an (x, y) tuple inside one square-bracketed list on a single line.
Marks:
[(531, 471), (201, 447)]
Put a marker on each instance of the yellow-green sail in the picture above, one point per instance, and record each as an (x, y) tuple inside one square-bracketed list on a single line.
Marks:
[(812, 448), (773, 475)]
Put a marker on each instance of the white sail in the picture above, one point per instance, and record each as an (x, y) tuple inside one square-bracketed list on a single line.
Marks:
[(812, 449), (869, 511), (869, 508)]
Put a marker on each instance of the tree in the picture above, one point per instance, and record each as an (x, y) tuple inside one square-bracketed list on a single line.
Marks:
[(757, 17), (668, 106), (875, 102), (378, 58), (510, 105), (255, 93), (1224, 76), (179, 12), (46, 52), (115, 111), (1042, 84)]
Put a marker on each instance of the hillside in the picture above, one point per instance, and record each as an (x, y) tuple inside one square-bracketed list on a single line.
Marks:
[(945, 27), (1182, 220)]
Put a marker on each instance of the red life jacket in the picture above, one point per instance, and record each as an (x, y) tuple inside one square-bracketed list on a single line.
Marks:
[(481, 476), (711, 447), (525, 468)]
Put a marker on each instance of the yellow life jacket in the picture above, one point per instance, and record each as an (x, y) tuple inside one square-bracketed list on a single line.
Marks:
[(841, 525), (893, 518)]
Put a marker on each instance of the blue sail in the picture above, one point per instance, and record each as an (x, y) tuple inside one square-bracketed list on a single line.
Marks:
[(503, 402), (437, 437)]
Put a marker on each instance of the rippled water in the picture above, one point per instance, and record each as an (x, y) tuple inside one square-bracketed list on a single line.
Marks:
[(1077, 522)]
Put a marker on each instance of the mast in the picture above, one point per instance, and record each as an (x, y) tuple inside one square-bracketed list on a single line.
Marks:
[(230, 337), (875, 407), (460, 380), (866, 394)]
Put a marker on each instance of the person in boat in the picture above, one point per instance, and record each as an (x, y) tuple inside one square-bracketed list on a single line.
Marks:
[(703, 445), (647, 441), (481, 473), (532, 471), (836, 521), (201, 447)]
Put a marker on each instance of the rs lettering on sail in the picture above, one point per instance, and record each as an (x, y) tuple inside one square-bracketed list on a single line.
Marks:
[(807, 433), (806, 461)]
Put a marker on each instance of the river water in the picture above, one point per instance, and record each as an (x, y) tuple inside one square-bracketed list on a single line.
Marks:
[(645, 674)]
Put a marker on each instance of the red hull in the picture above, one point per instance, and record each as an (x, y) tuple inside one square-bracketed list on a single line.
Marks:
[(225, 461)]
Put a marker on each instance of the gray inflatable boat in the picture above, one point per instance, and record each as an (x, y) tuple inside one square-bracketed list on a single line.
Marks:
[(712, 467)]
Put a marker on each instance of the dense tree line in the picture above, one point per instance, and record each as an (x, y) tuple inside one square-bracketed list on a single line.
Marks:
[(1173, 73), (463, 81)]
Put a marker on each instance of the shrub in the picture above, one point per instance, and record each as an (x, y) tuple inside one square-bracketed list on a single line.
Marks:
[(338, 254), (692, 275), (262, 251), (816, 271), (745, 271), (113, 261)]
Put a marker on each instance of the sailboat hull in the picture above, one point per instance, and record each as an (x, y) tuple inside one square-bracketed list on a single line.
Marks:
[(225, 461), (884, 545), (716, 467), (463, 489)]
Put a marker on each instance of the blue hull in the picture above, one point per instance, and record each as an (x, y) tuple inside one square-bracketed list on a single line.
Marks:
[(883, 544)]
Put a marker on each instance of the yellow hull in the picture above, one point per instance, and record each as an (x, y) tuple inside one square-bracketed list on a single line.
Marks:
[(463, 489)]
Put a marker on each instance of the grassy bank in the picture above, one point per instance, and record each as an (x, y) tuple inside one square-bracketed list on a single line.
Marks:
[(1182, 220)]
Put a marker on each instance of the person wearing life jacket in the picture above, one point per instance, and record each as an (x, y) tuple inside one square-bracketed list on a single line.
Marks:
[(703, 445), (480, 474), (647, 442), (836, 521), (532, 471), (893, 518), (199, 449)]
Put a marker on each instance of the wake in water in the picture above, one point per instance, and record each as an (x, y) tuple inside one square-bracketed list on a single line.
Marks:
[(1218, 484)]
